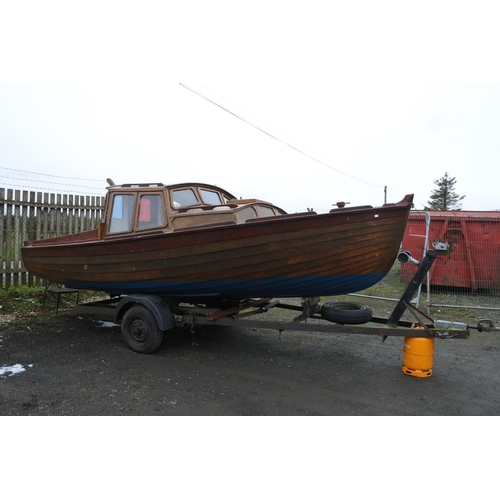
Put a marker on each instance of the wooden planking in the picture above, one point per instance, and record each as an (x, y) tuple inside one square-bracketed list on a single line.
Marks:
[(317, 246)]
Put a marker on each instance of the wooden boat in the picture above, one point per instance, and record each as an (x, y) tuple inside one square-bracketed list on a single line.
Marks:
[(198, 240)]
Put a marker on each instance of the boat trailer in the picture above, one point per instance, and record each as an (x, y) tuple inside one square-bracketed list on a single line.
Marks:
[(144, 318)]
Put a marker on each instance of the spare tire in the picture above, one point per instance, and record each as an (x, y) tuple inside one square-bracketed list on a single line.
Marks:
[(346, 313)]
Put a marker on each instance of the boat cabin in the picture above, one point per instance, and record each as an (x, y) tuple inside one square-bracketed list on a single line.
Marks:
[(138, 208)]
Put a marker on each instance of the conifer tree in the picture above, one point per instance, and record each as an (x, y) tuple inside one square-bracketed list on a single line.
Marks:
[(444, 196)]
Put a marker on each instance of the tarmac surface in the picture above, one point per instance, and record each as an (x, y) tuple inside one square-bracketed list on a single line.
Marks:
[(71, 364)]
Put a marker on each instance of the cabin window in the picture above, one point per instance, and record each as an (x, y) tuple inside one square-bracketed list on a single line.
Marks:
[(121, 213), (150, 211), (210, 197), (245, 214), (266, 211), (183, 197)]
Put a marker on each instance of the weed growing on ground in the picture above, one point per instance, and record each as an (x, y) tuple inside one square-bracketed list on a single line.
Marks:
[(29, 299)]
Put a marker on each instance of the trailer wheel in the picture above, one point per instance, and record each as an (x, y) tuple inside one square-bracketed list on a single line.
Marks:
[(140, 330), (346, 313)]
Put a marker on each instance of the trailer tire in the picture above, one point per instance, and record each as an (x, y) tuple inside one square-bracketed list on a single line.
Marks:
[(140, 330), (346, 313)]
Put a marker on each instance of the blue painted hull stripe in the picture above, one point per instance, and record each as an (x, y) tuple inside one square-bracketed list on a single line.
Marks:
[(305, 286)]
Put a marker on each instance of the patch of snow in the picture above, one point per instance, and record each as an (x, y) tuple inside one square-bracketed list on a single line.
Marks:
[(106, 324), (12, 370)]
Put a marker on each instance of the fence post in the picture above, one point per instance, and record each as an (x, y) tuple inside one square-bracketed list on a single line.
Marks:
[(2, 233), (16, 253)]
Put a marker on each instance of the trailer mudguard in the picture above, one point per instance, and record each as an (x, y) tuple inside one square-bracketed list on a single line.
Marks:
[(161, 311)]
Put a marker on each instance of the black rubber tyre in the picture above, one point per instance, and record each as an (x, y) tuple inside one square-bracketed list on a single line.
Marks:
[(346, 313), (140, 330)]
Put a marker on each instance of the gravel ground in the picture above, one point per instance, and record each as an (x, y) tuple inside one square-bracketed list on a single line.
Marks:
[(73, 364)]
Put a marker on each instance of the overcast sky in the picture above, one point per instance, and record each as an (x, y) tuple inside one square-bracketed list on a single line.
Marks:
[(348, 100), (377, 93)]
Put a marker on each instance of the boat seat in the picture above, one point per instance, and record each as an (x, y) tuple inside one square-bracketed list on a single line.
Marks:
[(57, 289)]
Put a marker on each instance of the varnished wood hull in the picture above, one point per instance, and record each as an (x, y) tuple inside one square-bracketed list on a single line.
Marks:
[(302, 255)]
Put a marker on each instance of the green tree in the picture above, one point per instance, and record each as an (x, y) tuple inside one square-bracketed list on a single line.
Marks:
[(444, 196)]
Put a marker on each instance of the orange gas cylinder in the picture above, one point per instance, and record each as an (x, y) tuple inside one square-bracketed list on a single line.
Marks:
[(418, 356)]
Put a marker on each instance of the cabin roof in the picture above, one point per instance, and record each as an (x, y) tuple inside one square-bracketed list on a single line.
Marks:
[(156, 185)]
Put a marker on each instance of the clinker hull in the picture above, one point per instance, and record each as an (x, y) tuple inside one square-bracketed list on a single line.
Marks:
[(301, 255)]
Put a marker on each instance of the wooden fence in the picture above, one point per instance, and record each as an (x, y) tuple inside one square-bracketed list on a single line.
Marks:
[(28, 216)]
